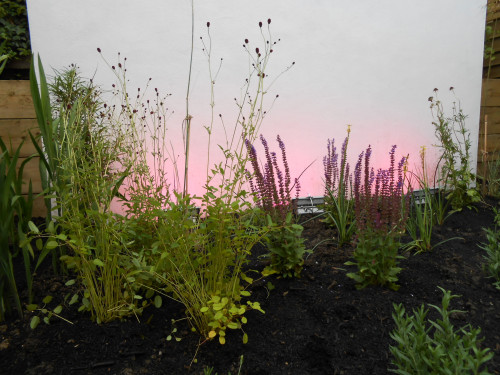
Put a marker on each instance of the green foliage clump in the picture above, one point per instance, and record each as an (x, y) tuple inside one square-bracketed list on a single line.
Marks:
[(13, 203), (435, 347), (286, 247), (14, 32), (492, 248)]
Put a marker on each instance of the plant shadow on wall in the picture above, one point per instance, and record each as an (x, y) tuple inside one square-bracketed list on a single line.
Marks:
[(97, 150)]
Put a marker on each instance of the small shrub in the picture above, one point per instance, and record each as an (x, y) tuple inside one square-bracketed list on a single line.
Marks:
[(456, 177), (435, 347)]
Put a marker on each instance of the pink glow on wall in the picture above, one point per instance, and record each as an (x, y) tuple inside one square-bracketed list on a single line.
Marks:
[(369, 64)]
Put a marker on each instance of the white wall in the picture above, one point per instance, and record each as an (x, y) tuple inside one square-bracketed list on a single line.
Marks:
[(372, 64)]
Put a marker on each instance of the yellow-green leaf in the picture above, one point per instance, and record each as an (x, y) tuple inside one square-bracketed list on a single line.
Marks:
[(74, 299), (52, 245), (98, 262), (58, 309), (34, 322), (47, 299), (245, 338), (33, 228), (212, 334), (222, 340)]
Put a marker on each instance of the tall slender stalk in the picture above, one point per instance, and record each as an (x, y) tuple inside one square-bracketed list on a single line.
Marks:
[(188, 116)]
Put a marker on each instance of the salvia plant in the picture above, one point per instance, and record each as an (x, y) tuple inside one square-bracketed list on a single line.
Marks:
[(380, 221), (273, 189), (339, 205), (424, 346)]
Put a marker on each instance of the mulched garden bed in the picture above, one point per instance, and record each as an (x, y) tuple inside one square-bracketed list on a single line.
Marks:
[(318, 324)]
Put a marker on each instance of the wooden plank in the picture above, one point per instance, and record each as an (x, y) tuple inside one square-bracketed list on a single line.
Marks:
[(14, 131), (493, 120), (39, 209), (490, 93), (494, 73), (492, 145), (15, 100)]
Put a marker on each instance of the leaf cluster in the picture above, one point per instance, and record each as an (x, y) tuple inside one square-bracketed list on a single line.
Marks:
[(14, 32), (376, 257), (286, 246), (425, 346), (492, 248)]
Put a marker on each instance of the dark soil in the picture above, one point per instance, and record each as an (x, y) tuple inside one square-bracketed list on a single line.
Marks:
[(318, 324)]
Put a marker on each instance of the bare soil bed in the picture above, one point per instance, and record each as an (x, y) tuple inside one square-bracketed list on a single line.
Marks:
[(317, 324)]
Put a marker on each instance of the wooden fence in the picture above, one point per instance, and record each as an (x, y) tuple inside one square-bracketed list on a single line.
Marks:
[(489, 122), (17, 116)]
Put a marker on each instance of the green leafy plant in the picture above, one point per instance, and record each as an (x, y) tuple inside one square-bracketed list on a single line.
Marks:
[(12, 203), (286, 246), (339, 205), (426, 211), (88, 153), (14, 32), (45, 312), (456, 178), (200, 263), (425, 346), (380, 219), (492, 248)]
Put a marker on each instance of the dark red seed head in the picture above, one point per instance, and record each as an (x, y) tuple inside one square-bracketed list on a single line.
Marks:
[(246, 41), (257, 50), (268, 21), (208, 24), (98, 50), (260, 24)]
